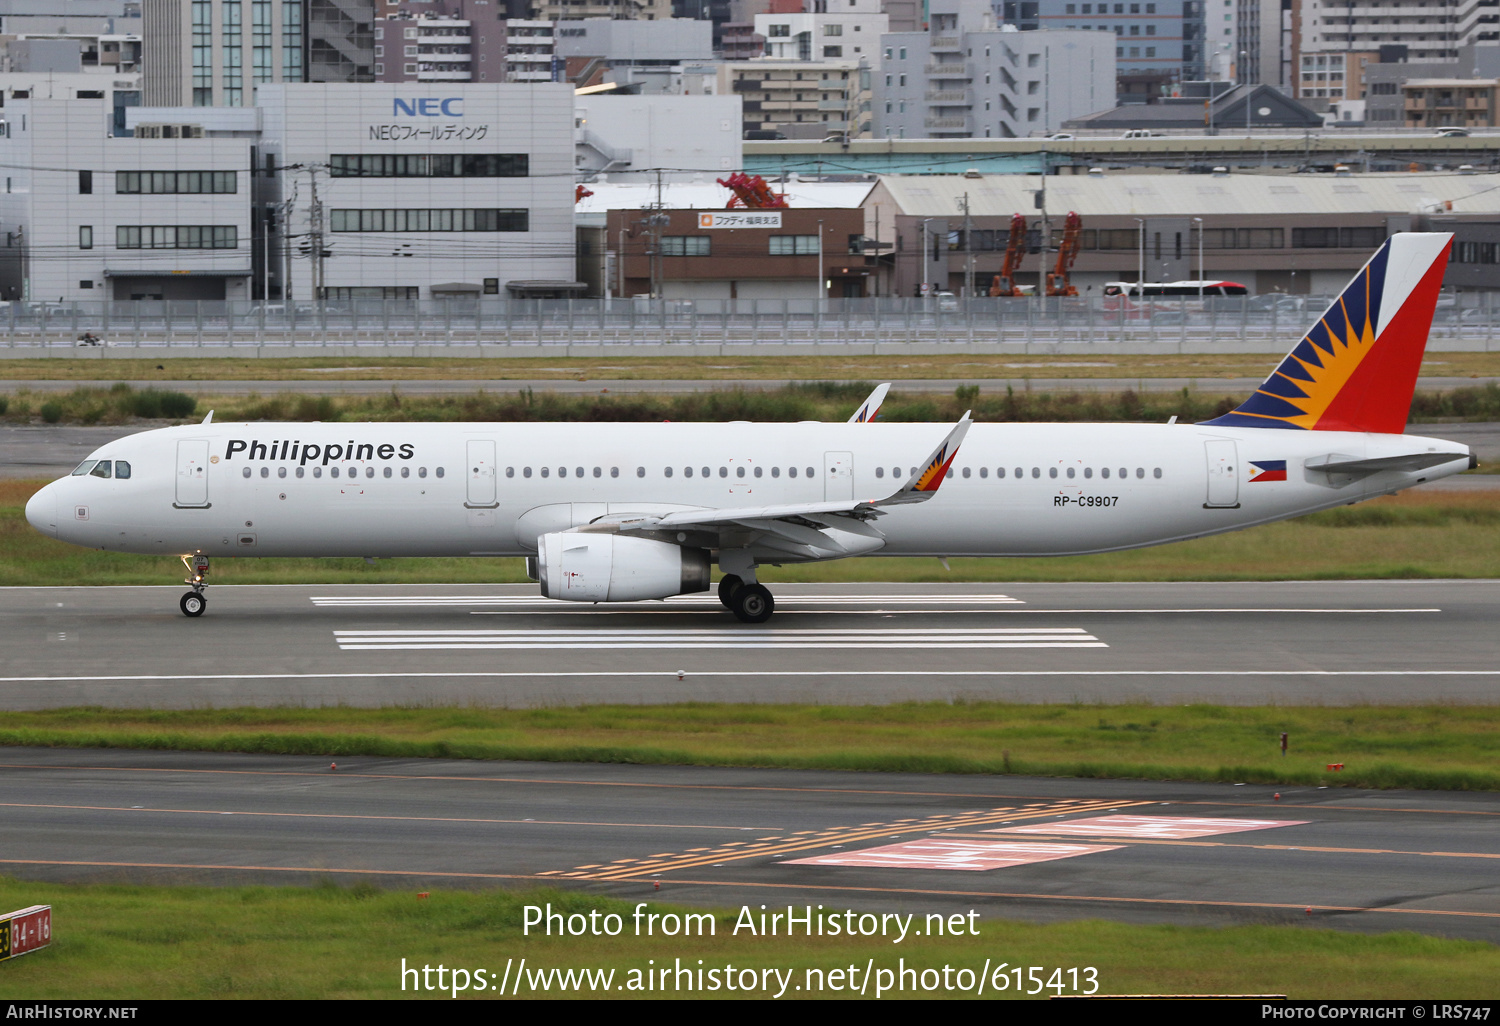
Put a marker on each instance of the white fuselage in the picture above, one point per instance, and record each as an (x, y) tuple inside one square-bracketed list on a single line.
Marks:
[(406, 489)]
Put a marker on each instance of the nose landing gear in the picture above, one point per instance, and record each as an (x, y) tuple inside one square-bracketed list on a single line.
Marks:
[(193, 603)]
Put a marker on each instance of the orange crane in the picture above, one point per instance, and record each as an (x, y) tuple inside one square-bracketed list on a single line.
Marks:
[(1067, 252), (1015, 251), (751, 191)]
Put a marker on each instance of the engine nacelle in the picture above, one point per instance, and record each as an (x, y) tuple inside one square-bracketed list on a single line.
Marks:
[(587, 567)]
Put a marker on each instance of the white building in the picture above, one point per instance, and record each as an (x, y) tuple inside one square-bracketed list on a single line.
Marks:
[(421, 191), (850, 30), (92, 217), (213, 53), (966, 79), (628, 136)]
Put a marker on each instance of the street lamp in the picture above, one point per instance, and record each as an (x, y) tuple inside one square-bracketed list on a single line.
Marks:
[(924, 256), (1141, 255), (1199, 222), (822, 289)]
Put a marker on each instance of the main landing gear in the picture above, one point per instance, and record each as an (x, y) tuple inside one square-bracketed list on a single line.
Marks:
[(193, 603), (751, 603)]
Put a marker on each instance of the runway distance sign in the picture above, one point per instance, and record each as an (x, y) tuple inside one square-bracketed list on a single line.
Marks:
[(25, 930)]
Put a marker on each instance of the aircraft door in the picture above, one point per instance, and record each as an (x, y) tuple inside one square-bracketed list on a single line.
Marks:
[(192, 473), (1223, 473), (482, 476), (838, 475)]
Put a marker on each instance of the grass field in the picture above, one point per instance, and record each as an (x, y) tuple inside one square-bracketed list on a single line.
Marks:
[(792, 368), (1431, 747), (331, 942), (1411, 535)]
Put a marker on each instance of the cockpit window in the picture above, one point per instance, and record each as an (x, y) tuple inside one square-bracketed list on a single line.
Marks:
[(84, 467), (122, 469), (101, 469)]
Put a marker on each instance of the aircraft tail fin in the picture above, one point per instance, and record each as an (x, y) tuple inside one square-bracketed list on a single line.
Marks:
[(870, 408), (1356, 369)]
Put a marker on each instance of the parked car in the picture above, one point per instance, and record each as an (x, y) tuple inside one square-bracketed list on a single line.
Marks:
[(947, 302), (1453, 132)]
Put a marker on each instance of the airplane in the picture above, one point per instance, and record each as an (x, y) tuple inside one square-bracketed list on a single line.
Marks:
[(631, 511)]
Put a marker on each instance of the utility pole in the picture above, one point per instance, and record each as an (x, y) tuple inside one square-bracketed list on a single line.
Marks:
[(968, 250), (315, 232)]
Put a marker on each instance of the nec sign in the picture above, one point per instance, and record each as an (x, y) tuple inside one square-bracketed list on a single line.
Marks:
[(428, 107)]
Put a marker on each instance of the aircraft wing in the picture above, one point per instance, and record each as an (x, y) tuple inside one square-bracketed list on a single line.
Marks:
[(870, 408), (922, 486)]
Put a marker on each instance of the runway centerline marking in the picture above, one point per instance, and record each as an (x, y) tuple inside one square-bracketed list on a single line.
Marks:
[(719, 638)]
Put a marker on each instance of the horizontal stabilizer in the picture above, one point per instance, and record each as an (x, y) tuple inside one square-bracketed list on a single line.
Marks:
[(1411, 461)]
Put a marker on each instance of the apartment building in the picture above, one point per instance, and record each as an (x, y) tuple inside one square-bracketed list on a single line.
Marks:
[(213, 53), (801, 99)]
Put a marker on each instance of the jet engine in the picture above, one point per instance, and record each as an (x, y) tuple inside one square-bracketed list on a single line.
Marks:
[(588, 567)]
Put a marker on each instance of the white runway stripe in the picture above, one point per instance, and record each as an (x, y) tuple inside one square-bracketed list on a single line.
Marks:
[(706, 600), (643, 638)]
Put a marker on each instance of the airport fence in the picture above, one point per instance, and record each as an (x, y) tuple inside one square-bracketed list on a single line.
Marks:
[(1249, 323)]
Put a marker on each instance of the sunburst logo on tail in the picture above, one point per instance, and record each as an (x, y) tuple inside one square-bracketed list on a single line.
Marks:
[(933, 473), (1355, 370)]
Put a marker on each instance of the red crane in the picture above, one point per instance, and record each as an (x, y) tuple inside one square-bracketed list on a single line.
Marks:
[(1015, 251), (1067, 252), (751, 191)]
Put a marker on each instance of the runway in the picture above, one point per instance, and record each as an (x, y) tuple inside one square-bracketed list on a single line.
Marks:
[(1016, 848), (310, 645)]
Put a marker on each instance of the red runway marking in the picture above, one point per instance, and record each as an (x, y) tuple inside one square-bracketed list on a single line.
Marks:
[(1148, 827), (964, 855)]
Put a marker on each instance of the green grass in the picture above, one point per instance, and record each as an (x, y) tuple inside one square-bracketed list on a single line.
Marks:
[(813, 400), (1436, 747), (1412, 535), (140, 943)]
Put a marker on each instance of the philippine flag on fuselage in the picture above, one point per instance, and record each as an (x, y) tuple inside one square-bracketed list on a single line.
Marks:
[(1267, 470)]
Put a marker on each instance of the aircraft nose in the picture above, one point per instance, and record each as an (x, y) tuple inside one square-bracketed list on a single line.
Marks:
[(41, 510)]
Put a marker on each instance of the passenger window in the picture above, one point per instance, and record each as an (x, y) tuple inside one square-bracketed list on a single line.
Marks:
[(809, 471), (1155, 473), (705, 472), (880, 472), (369, 472), (999, 472), (641, 471), (1036, 471), (966, 472), (439, 471), (386, 471), (122, 470), (984, 471), (406, 472), (333, 471), (760, 471), (84, 468), (1072, 473), (422, 471), (739, 471), (775, 471), (317, 471), (723, 471), (791, 471), (667, 472), (301, 471), (281, 472), (245, 472), (1140, 472), (509, 471), (1051, 471), (101, 469), (562, 471), (895, 471), (687, 471), (1104, 473), (1088, 472), (579, 472), (1124, 473), (598, 472), (546, 471), (265, 471)]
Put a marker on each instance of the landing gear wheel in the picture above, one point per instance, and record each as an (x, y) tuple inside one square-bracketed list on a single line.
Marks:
[(727, 587), (193, 604), (753, 604)]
